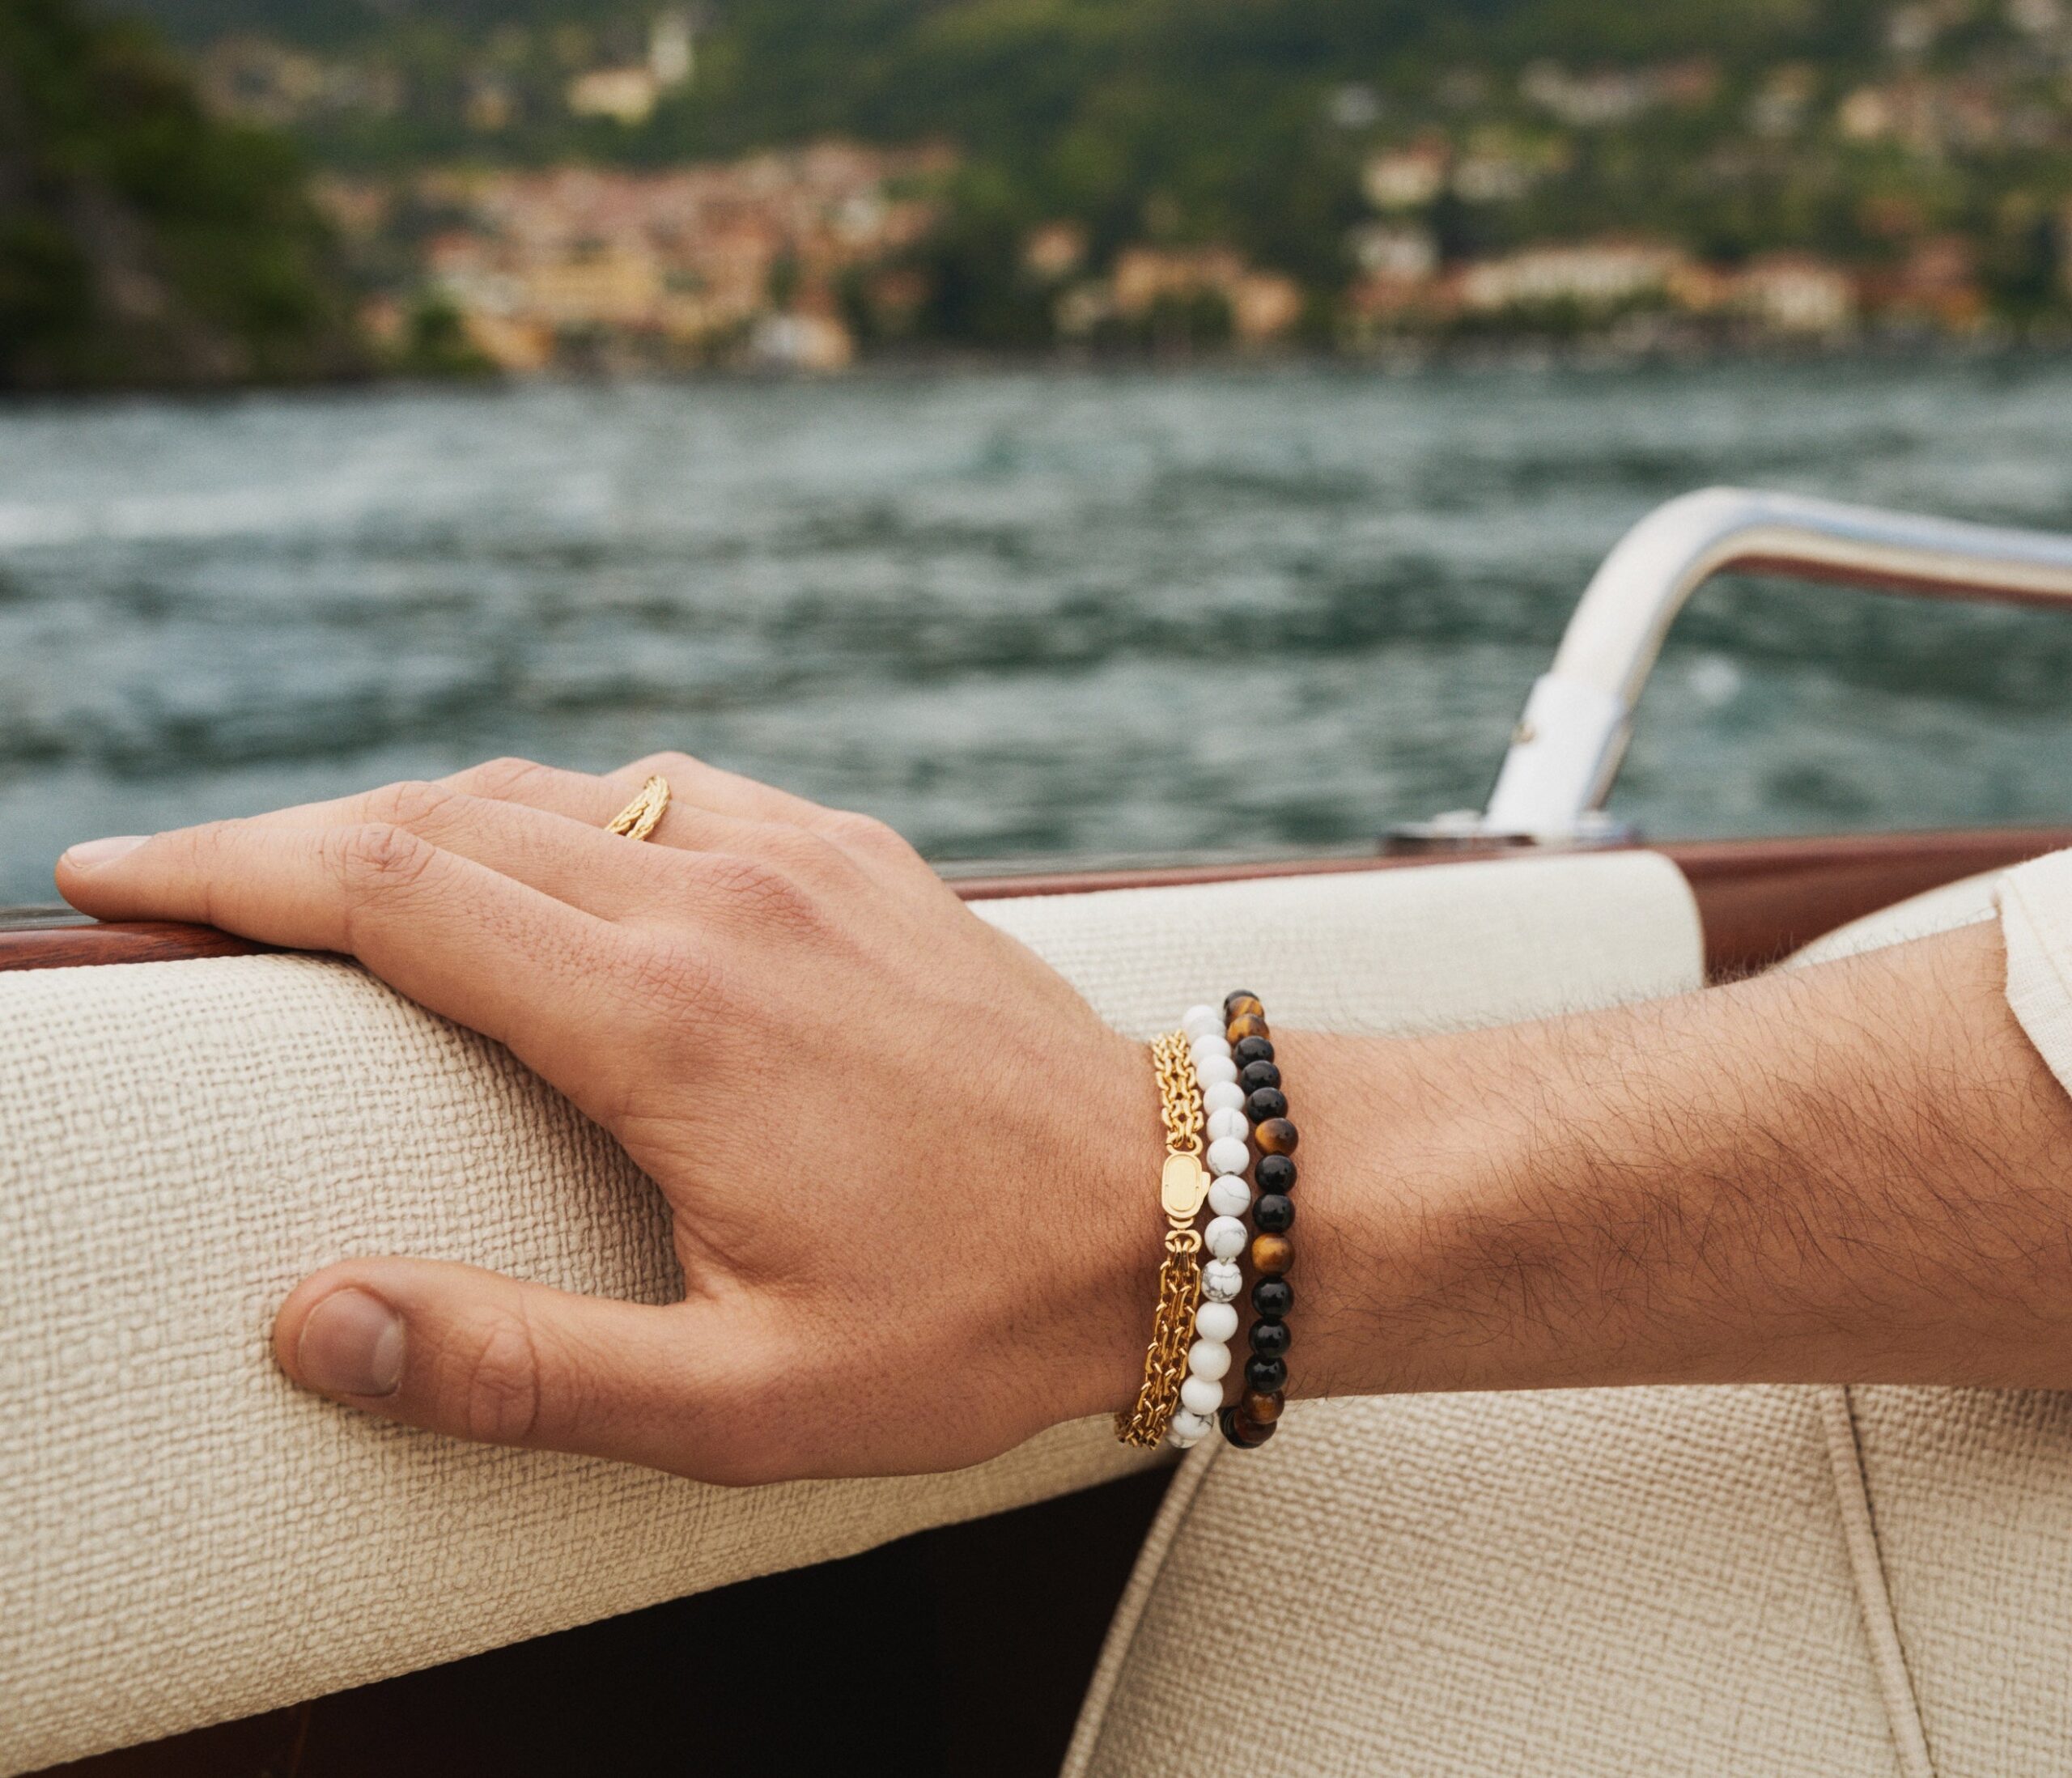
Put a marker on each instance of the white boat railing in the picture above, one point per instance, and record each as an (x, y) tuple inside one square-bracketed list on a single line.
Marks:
[(1569, 743)]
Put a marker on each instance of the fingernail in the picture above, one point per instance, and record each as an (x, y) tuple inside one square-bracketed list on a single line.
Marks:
[(89, 854), (351, 1344)]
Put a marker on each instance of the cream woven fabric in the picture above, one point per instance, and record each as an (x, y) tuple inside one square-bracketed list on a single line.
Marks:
[(184, 1538), (1634, 1584)]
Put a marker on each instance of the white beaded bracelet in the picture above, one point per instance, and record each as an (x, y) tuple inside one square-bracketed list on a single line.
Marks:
[(1229, 1158)]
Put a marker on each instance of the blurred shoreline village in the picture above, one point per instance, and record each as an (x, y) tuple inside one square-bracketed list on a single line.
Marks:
[(531, 189)]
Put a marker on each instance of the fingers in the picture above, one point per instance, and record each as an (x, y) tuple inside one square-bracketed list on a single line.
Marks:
[(723, 792), (710, 809), (687, 824), (571, 860), (459, 937), (581, 796), (482, 1356)]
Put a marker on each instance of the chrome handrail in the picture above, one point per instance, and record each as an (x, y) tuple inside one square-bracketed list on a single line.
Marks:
[(1569, 743)]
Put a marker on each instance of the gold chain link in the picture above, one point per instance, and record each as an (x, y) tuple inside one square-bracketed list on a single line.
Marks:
[(1179, 1093), (1144, 1425)]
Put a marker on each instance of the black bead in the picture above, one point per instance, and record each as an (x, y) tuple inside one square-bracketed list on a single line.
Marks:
[(1230, 1000), (1275, 1173), (1269, 1338), (1255, 1075), (1273, 1297), (1247, 1050), (1273, 1214), (1266, 1375), (1267, 1102)]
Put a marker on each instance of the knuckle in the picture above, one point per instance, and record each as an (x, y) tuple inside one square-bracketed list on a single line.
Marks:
[(207, 858), (492, 1384), (669, 763), (804, 854), (410, 804), (503, 780), (379, 858), (866, 833), (209, 848), (763, 891)]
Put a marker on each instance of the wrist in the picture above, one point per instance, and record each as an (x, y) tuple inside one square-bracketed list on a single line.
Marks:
[(1333, 1240), (1383, 1157), (1111, 1276)]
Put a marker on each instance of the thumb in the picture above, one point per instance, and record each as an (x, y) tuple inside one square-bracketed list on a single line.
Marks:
[(458, 1350)]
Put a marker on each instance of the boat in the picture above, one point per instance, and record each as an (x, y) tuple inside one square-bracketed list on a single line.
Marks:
[(202, 1571)]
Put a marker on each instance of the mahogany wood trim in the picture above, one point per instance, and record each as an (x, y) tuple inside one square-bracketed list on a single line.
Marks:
[(1759, 899), (34, 939)]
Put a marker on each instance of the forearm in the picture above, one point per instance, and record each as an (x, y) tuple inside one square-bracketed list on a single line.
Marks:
[(1861, 1171), (912, 1173)]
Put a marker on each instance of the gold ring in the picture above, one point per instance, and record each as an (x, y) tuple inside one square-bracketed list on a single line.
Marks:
[(641, 816)]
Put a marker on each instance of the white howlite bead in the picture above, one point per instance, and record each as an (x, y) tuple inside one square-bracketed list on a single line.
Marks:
[(1229, 1154), (1199, 1021), (1222, 1280), (1225, 1237), (1190, 1426), (1208, 1055), (1209, 1358), (1215, 1321), (1224, 1096), (1215, 1069), (1224, 1122), (1198, 1395), (1229, 1195)]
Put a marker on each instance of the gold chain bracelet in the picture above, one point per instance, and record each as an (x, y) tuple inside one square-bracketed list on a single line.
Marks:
[(1182, 1186)]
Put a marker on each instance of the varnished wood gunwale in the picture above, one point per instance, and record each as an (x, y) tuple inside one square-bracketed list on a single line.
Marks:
[(1759, 899)]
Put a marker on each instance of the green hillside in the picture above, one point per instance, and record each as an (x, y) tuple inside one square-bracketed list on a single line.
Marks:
[(1245, 120), (142, 241), (1741, 169)]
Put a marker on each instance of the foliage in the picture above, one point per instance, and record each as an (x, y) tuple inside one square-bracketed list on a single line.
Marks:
[(1247, 122), (142, 241)]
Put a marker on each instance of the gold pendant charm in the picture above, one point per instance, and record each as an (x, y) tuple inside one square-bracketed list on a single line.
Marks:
[(1182, 1186)]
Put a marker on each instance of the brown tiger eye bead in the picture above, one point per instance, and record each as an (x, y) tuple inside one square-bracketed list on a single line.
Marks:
[(1271, 1254), (1277, 1136), (1262, 1409), (1242, 1002), (1246, 1024), (1242, 1430)]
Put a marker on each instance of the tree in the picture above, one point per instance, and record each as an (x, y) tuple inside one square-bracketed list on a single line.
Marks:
[(142, 242)]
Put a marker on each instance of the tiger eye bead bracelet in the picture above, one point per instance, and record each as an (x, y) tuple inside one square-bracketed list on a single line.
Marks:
[(1218, 1080), (1253, 1418)]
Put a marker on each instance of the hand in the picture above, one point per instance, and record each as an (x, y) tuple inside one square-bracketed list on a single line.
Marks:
[(912, 1174)]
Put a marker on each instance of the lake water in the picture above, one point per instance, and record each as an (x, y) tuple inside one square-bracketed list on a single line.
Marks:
[(1013, 613)]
